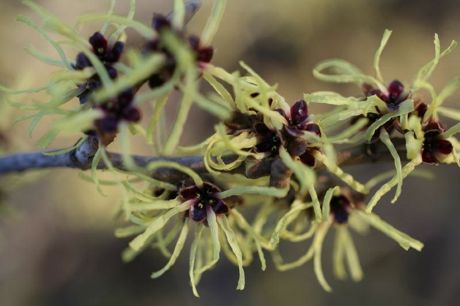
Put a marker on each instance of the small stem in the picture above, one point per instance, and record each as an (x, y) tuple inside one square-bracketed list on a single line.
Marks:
[(82, 156)]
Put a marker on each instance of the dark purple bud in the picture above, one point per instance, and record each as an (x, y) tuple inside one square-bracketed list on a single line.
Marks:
[(444, 146), (296, 146), (83, 97), (341, 216), (198, 212), (299, 112), (164, 75), (188, 193), (113, 73), (218, 206), (269, 143), (160, 22), (131, 114), (108, 124), (434, 143), (116, 52), (118, 48), (125, 98), (82, 61), (395, 89), (313, 128), (429, 157), (421, 109), (308, 159), (339, 208), (93, 83), (99, 43), (205, 54)]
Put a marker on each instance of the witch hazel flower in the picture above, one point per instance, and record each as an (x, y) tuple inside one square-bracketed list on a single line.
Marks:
[(200, 206), (269, 137), (392, 111), (298, 120), (341, 207), (202, 54), (298, 124), (269, 140), (393, 96), (384, 106), (202, 200), (342, 210), (294, 150), (117, 110), (427, 141), (107, 54), (435, 147)]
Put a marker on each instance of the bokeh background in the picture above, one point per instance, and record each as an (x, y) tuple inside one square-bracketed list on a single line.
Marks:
[(56, 232)]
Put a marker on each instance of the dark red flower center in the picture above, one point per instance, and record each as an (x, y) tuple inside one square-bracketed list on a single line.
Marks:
[(203, 198), (269, 141), (116, 110), (340, 208), (298, 120), (434, 143), (394, 96)]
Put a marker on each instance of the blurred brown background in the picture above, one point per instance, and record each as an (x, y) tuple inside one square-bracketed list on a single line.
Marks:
[(56, 238)]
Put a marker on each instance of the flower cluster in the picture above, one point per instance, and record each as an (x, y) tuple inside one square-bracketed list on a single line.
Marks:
[(393, 96), (281, 161), (290, 136), (396, 112), (202, 199), (108, 55), (435, 147), (202, 54), (282, 149), (116, 109)]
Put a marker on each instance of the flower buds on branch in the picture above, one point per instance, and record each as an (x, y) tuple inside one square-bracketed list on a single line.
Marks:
[(280, 160)]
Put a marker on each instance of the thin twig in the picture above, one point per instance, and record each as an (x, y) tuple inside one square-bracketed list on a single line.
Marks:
[(82, 157)]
